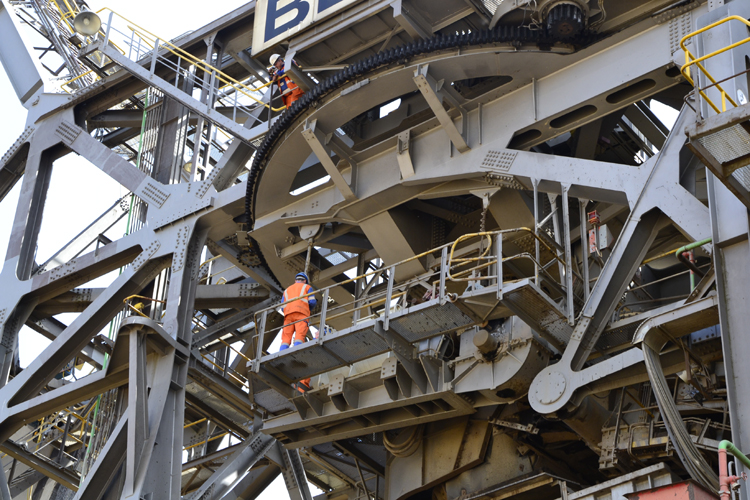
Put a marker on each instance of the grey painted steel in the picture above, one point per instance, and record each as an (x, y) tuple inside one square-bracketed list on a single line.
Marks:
[(373, 196), (23, 70), (233, 471), (89, 235)]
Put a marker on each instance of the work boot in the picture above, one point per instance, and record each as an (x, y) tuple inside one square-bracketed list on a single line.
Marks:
[(303, 386)]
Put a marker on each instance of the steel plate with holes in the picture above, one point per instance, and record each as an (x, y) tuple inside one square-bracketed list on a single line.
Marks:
[(742, 175), (217, 403), (301, 361), (530, 303), (728, 144), (356, 346), (617, 336), (428, 320), (272, 401)]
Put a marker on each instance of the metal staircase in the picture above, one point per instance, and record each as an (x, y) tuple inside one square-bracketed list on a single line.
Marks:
[(721, 140), (166, 67)]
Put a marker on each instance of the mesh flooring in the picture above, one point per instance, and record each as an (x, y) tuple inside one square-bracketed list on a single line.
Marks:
[(430, 321), (217, 403), (544, 313), (303, 361), (727, 144), (617, 336), (273, 401), (361, 342), (358, 345), (742, 175)]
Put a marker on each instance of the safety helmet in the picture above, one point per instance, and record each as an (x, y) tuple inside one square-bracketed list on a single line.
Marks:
[(303, 275), (273, 59)]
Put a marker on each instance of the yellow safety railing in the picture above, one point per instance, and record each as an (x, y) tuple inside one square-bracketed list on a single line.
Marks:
[(68, 82), (691, 60), (212, 438), (465, 264), (227, 80), (66, 15), (135, 308)]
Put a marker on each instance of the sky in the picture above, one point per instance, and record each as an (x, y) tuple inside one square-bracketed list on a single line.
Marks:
[(79, 192)]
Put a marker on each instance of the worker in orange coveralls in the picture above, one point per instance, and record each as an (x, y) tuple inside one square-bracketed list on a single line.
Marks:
[(290, 92), (296, 313)]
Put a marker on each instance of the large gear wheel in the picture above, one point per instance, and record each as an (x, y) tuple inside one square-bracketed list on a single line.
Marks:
[(565, 21)]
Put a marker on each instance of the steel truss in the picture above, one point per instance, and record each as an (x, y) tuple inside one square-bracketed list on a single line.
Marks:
[(485, 255)]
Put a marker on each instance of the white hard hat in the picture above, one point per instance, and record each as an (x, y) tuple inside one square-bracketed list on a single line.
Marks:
[(273, 59)]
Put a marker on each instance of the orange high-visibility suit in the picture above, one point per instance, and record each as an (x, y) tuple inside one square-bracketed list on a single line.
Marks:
[(290, 92), (296, 313)]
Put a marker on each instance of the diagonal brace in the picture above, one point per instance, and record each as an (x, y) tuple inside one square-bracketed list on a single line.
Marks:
[(319, 144), (435, 94)]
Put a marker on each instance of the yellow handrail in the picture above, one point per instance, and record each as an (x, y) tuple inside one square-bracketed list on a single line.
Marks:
[(194, 423), (452, 245), (691, 60), (126, 299), (144, 34), (65, 16), (206, 441), (79, 76)]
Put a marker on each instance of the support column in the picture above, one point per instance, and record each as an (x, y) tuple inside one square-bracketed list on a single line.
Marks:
[(28, 219), (158, 469), (730, 225)]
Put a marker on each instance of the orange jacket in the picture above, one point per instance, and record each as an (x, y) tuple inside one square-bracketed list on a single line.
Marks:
[(301, 305)]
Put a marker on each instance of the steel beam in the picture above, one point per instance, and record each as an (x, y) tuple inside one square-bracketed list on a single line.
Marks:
[(229, 475), (51, 470), (411, 21), (23, 70), (319, 143), (85, 238), (195, 105), (435, 95)]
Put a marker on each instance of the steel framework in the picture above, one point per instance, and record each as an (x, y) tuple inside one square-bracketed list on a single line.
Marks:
[(529, 285)]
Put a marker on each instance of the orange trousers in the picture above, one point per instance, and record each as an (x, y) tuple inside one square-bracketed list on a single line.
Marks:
[(292, 96), (298, 330)]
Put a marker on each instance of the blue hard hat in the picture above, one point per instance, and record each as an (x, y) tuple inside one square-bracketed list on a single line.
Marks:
[(303, 275)]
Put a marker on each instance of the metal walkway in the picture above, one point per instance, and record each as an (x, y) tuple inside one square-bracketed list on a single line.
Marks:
[(404, 328)]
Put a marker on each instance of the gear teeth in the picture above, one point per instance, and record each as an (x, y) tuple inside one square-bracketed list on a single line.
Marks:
[(565, 21)]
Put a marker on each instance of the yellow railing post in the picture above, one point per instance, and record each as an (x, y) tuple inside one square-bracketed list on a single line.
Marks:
[(691, 60)]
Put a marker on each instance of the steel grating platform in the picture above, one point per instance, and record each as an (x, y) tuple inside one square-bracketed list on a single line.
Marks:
[(417, 323), (218, 404), (536, 309), (722, 142), (360, 341)]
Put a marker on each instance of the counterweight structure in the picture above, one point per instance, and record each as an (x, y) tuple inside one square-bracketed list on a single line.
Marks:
[(529, 286)]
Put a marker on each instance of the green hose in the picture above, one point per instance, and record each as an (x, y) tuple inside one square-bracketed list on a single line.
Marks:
[(726, 445), (687, 248), (111, 323)]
